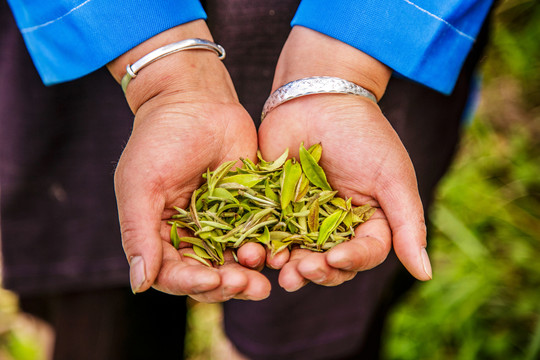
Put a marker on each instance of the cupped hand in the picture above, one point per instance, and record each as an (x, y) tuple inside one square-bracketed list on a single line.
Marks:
[(187, 119), (365, 160)]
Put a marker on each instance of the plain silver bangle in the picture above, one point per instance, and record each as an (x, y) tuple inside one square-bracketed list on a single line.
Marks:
[(311, 86), (188, 44)]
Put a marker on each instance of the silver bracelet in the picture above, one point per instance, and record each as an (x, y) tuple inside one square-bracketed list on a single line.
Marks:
[(188, 44), (311, 86)]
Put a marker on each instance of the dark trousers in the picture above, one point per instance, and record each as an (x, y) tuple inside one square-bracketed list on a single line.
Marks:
[(113, 324)]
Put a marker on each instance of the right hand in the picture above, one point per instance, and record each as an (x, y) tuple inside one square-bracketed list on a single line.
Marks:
[(187, 119)]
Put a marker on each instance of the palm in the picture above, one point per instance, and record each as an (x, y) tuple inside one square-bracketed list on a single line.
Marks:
[(172, 144), (364, 159)]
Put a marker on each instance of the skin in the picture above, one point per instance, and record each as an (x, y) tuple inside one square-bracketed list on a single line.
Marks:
[(183, 125), (188, 119), (373, 168)]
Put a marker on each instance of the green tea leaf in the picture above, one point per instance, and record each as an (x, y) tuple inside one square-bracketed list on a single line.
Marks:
[(326, 196), (198, 258), (277, 246), (328, 226), (193, 208), (215, 225), (248, 180), (302, 188), (218, 174), (276, 164), (191, 240), (339, 203), (175, 239), (265, 237), (312, 170), (269, 193), (223, 194), (199, 251), (289, 179), (316, 151), (248, 164), (313, 217)]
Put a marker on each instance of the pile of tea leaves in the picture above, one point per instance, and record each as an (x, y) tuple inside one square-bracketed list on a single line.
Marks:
[(280, 204)]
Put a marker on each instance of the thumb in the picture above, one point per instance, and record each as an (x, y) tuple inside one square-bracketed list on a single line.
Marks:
[(140, 218), (402, 206)]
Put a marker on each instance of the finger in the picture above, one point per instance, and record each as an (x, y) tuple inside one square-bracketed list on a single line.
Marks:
[(290, 278), (237, 282), (276, 261), (140, 218), (181, 275), (315, 268), (369, 247), (252, 255), (258, 286), (401, 203), (232, 283)]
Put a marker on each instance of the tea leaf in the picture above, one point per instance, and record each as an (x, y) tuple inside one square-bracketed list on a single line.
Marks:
[(274, 165), (248, 180), (316, 152), (249, 164), (291, 174), (215, 225), (265, 237), (302, 188), (313, 217), (278, 246), (313, 171), (223, 194), (193, 208), (278, 204), (269, 193), (199, 251), (191, 240), (175, 239), (218, 174), (328, 226), (339, 203), (198, 258)]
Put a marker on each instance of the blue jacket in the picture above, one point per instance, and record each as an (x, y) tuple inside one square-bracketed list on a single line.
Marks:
[(424, 40)]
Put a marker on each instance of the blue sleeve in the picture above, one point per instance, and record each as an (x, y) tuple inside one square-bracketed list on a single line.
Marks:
[(68, 39), (424, 40)]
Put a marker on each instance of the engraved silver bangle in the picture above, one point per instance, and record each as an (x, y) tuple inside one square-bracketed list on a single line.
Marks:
[(311, 86), (188, 44)]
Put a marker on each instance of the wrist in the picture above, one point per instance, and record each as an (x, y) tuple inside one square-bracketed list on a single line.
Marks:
[(310, 53), (195, 74)]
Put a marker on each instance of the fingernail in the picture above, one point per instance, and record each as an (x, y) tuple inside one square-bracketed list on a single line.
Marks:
[(297, 287), (137, 273), (426, 263)]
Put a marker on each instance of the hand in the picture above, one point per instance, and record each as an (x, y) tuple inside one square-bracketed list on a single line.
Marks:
[(183, 125), (363, 158)]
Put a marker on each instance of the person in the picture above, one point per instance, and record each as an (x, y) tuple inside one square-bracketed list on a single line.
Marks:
[(188, 117)]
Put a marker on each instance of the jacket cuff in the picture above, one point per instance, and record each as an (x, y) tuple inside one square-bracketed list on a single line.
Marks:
[(426, 44), (68, 42)]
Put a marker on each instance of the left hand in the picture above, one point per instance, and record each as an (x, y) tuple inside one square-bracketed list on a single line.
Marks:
[(363, 158)]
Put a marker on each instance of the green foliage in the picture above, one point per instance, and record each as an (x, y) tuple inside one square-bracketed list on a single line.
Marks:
[(484, 300)]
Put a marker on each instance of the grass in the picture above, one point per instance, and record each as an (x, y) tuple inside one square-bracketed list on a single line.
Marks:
[(484, 301)]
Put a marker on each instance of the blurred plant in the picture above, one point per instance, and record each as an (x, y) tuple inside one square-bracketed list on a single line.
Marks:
[(484, 301)]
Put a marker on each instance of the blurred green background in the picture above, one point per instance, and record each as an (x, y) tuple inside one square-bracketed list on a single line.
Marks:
[(484, 300)]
